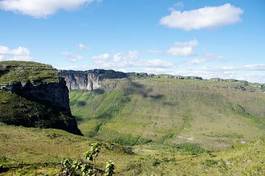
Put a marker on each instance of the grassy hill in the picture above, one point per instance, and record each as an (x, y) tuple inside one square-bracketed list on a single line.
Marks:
[(214, 114)]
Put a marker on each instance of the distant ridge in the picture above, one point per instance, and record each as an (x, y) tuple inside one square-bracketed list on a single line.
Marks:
[(91, 79)]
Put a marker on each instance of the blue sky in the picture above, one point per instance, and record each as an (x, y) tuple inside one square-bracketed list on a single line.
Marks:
[(208, 38)]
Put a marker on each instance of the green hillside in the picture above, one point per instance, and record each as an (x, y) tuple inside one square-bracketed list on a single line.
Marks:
[(213, 114), (147, 126)]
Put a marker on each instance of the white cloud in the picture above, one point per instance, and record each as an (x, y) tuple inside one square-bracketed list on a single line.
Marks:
[(129, 61), (183, 48), (19, 53), (41, 8), (82, 46), (206, 17)]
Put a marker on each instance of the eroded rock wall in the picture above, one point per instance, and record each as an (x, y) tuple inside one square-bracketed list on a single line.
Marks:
[(89, 80)]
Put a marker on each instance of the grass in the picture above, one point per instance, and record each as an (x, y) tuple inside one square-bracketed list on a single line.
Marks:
[(29, 150), (189, 148), (19, 71), (33, 151), (215, 115)]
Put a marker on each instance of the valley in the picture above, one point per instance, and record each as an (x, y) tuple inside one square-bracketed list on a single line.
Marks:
[(146, 124)]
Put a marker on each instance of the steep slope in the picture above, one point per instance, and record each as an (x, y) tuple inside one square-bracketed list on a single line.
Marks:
[(214, 114), (33, 95)]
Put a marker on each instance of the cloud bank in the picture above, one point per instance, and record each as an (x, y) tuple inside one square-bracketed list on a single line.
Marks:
[(20, 53), (130, 61)]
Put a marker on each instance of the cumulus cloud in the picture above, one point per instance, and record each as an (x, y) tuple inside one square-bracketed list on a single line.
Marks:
[(41, 8), (129, 61), (20, 53), (183, 48), (206, 17)]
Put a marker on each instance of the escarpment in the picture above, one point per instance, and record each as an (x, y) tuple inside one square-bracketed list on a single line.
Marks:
[(94, 79), (90, 79), (33, 95)]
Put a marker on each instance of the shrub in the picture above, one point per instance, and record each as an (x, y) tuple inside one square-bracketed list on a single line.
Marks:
[(87, 166), (189, 148)]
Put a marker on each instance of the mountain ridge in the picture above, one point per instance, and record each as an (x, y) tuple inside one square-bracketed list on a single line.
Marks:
[(92, 79)]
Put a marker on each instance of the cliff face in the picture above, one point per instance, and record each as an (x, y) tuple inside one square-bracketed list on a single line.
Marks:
[(89, 80), (33, 95), (52, 94)]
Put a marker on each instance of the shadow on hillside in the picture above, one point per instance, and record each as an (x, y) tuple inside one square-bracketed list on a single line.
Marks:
[(137, 88), (81, 103), (98, 91)]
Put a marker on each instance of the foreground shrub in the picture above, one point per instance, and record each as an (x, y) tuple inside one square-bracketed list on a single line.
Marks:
[(86, 167)]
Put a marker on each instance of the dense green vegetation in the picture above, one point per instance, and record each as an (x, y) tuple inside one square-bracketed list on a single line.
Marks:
[(213, 114), (19, 71)]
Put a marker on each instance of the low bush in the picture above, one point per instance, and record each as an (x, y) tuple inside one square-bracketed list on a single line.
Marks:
[(189, 148)]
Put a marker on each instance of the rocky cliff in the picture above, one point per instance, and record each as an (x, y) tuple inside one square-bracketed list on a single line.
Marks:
[(33, 95), (53, 94), (90, 79)]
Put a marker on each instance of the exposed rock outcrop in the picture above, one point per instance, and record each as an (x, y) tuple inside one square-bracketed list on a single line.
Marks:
[(53, 94), (90, 79)]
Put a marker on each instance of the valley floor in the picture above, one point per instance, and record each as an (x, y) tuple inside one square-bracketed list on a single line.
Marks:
[(31, 151)]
